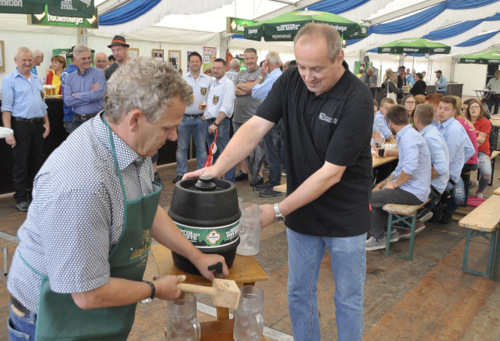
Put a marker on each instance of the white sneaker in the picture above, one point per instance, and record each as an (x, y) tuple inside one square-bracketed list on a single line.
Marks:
[(473, 183), (480, 195)]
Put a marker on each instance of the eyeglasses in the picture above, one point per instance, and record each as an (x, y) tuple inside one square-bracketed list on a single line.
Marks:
[(410, 102), (474, 107)]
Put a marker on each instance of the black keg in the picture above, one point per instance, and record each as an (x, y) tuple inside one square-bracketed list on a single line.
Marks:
[(206, 210)]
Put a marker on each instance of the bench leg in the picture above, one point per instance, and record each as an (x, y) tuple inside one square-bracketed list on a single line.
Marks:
[(491, 237), (492, 171), (496, 256), (388, 237), (412, 236)]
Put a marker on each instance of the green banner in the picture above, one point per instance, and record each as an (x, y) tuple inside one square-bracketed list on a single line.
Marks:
[(237, 25), (68, 8), (47, 19)]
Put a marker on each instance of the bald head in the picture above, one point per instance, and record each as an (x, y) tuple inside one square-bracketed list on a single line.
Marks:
[(101, 61)]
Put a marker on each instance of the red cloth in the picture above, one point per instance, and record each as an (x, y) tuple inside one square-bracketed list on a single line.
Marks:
[(475, 201), (471, 132), (483, 125)]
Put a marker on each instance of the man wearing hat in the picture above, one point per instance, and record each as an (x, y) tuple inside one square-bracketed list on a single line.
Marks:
[(119, 48), (441, 85)]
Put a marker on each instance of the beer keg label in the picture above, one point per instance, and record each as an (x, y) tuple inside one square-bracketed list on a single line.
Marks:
[(206, 237)]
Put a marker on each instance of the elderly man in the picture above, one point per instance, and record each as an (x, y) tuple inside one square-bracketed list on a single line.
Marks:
[(119, 48), (234, 68), (441, 84), (24, 110), (84, 89), (101, 61), (327, 115), (192, 123), (494, 99), (77, 272), (269, 73), (409, 184), (369, 77), (246, 106), (37, 60)]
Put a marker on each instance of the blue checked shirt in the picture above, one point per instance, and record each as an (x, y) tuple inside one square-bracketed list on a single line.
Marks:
[(76, 216), (85, 101)]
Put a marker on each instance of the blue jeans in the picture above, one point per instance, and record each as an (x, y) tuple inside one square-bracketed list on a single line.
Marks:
[(78, 120), (457, 195), (484, 165), (21, 326), (222, 141), (191, 126), (348, 263), (272, 145), (494, 100)]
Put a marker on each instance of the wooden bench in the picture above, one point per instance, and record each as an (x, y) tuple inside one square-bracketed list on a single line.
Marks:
[(407, 214), (497, 191), (482, 222)]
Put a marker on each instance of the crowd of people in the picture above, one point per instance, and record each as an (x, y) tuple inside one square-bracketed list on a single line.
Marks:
[(97, 192), (439, 141)]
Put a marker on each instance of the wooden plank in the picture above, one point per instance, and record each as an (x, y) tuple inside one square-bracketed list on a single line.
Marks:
[(497, 191), (245, 269), (494, 154), (379, 161), (219, 331), (485, 217), (376, 161), (403, 209)]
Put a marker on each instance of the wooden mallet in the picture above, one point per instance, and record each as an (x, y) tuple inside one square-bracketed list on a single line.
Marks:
[(225, 293)]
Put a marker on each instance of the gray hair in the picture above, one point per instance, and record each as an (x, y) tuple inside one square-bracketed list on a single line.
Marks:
[(78, 49), (274, 58), (234, 63), (22, 49), (315, 30), (37, 53), (147, 85), (369, 69)]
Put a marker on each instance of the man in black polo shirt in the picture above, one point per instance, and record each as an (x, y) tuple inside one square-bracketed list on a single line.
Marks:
[(327, 116)]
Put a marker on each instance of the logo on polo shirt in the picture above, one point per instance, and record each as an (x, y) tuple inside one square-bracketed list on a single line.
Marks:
[(325, 117), (215, 100), (203, 91)]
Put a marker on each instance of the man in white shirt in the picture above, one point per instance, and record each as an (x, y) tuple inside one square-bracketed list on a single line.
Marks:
[(494, 99), (192, 123), (220, 107)]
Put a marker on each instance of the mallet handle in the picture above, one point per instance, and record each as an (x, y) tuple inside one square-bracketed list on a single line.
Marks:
[(200, 289)]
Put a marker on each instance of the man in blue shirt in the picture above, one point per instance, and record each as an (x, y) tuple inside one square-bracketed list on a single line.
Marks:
[(24, 110), (269, 73), (68, 113), (192, 123), (460, 148), (409, 184), (441, 85), (380, 122), (85, 89)]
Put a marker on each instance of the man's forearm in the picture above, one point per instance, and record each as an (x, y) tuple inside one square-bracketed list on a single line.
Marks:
[(6, 118)]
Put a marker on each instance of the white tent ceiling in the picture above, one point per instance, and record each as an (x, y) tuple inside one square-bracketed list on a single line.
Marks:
[(176, 23)]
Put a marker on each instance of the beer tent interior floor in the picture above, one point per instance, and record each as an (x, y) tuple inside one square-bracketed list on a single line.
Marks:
[(427, 298)]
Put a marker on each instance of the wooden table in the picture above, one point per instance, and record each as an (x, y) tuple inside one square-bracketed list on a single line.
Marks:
[(497, 191), (376, 161), (245, 271)]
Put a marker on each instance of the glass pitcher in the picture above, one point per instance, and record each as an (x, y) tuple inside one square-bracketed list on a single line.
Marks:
[(249, 317), (182, 324)]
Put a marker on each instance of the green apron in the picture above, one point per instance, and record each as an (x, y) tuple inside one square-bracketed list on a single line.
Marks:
[(59, 318)]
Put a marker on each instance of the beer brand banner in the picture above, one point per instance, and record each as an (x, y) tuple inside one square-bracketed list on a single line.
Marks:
[(49, 19), (237, 25), (68, 8)]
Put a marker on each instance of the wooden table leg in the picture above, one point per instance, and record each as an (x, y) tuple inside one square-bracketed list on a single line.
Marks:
[(222, 313)]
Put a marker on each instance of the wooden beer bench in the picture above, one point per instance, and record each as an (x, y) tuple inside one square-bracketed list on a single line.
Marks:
[(407, 214), (497, 191), (483, 222), (245, 271)]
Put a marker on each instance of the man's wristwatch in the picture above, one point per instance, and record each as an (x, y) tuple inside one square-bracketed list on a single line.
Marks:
[(277, 214), (153, 291)]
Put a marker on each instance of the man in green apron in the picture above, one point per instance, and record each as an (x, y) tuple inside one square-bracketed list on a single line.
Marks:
[(77, 272)]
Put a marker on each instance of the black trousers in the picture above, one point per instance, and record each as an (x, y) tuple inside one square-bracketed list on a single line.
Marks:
[(27, 156)]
